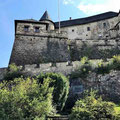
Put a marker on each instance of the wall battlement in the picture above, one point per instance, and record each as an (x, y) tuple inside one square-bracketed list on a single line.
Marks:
[(63, 67), (35, 69)]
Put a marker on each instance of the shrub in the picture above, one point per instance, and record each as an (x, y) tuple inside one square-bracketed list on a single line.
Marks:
[(13, 72), (61, 88), (83, 70), (115, 62), (25, 100), (94, 108), (103, 68)]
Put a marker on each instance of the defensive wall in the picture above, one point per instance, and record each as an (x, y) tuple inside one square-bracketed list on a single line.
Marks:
[(108, 84), (44, 49)]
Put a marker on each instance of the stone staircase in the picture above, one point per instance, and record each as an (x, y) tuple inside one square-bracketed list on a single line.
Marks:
[(57, 118)]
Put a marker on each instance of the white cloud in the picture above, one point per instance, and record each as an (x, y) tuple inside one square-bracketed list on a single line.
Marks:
[(91, 8), (66, 2)]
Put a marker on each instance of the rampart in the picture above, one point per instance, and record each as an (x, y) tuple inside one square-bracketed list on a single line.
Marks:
[(45, 49), (63, 67), (107, 84), (35, 69)]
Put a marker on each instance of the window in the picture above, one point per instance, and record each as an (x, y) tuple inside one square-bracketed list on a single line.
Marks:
[(88, 28), (26, 28), (37, 29), (104, 25)]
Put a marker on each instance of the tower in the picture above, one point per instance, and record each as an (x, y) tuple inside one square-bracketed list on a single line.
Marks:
[(46, 18), (37, 42)]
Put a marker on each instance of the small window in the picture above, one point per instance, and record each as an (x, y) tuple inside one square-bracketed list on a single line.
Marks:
[(26, 28), (73, 30), (104, 25), (37, 29), (88, 28)]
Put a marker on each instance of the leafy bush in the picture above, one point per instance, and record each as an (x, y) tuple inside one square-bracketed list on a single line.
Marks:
[(103, 68), (94, 108), (115, 62), (61, 88), (83, 70), (25, 100), (13, 72)]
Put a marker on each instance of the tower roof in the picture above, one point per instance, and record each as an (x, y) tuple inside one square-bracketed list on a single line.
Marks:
[(45, 16)]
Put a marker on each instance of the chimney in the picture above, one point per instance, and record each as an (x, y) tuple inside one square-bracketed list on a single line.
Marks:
[(70, 18)]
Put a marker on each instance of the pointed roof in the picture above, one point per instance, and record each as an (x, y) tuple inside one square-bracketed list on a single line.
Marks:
[(45, 16)]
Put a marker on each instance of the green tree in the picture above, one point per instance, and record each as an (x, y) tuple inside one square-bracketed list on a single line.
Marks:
[(13, 72), (25, 99), (94, 108), (61, 88)]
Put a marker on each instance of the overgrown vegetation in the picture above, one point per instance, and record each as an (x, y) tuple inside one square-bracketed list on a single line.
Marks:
[(61, 88), (94, 108), (101, 67), (13, 72), (39, 96), (84, 69), (25, 99), (31, 98)]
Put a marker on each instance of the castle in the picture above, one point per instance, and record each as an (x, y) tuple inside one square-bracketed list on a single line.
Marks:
[(40, 41), (40, 47)]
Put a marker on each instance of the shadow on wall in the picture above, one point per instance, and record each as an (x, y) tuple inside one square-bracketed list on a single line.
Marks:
[(93, 52)]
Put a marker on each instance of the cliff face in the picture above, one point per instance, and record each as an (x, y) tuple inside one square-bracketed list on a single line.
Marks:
[(107, 85)]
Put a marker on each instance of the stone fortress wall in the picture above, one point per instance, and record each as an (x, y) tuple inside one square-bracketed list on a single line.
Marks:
[(38, 47), (48, 45), (39, 51), (35, 69)]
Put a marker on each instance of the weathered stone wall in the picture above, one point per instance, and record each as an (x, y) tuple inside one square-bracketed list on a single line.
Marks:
[(45, 49), (63, 67), (39, 49), (108, 85), (94, 49)]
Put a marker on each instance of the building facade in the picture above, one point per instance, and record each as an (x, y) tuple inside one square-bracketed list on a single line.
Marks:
[(40, 41)]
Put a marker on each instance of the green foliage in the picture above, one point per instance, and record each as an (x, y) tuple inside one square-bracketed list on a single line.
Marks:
[(61, 88), (103, 68), (94, 108), (116, 62), (86, 67), (83, 70), (25, 99), (13, 72)]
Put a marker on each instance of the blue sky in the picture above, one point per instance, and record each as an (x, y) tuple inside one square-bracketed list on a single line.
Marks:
[(11, 10)]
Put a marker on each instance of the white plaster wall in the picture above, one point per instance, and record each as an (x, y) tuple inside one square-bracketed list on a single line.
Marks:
[(97, 30)]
